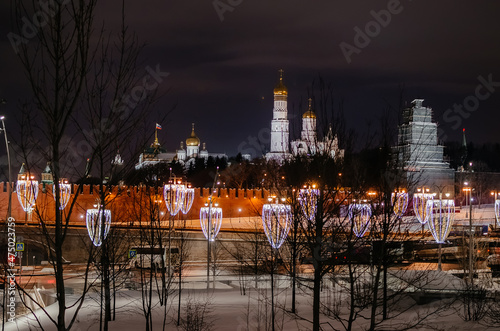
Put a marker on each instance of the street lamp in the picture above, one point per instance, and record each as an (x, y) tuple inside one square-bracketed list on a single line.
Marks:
[(276, 219), (98, 224), (9, 187), (441, 216), (173, 195), (399, 202), (187, 200), (420, 205), (359, 215), (308, 199), (497, 207), (27, 191), (64, 193), (211, 221)]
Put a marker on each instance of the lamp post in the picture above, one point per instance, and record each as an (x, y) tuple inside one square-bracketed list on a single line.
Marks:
[(359, 215), (276, 219), (441, 216), (98, 224), (64, 193), (211, 221), (173, 193), (399, 201), (497, 209), (9, 187), (420, 205), (27, 191), (9, 208)]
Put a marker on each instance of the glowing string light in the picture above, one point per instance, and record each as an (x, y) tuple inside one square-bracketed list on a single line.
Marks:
[(64, 193), (210, 224), (96, 220), (27, 192), (187, 200), (276, 219), (420, 206), (173, 195), (441, 216), (359, 214), (308, 199), (399, 203)]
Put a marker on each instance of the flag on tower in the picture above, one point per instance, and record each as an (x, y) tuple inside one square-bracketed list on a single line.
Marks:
[(158, 126)]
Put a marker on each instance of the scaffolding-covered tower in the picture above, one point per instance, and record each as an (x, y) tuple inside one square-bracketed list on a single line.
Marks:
[(419, 153)]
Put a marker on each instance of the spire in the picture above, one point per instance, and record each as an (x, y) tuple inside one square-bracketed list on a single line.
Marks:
[(463, 149), (22, 171), (280, 88), (309, 113)]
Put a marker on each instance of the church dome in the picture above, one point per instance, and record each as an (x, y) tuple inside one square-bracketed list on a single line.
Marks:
[(193, 140), (280, 88), (309, 113)]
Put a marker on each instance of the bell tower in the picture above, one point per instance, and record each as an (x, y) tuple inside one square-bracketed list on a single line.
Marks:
[(279, 124)]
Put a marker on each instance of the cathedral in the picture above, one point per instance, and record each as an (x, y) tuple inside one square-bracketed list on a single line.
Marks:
[(309, 143), (156, 153)]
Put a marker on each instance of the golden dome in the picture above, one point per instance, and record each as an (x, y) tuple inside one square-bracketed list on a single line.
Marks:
[(309, 113), (280, 88), (193, 140)]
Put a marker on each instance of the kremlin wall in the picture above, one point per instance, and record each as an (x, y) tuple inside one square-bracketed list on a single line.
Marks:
[(235, 203)]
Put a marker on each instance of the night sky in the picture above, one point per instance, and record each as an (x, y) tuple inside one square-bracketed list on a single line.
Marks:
[(222, 72)]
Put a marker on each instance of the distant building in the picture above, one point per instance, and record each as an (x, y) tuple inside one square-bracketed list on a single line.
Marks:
[(420, 154), (156, 153), (308, 144)]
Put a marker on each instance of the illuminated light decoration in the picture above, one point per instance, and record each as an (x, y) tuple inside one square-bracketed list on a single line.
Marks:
[(399, 203), (277, 219), (308, 199), (210, 224), (95, 224), (187, 200), (173, 195), (420, 206), (27, 192), (64, 193), (497, 211), (441, 216), (360, 214)]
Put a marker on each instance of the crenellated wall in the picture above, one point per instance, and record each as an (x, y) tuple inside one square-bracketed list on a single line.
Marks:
[(235, 203)]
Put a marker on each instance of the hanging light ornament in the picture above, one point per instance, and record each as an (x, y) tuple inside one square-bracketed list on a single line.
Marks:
[(497, 211), (64, 193), (308, 199), (96, 220), (359, 214), (276, 219), (211, 221), (420, 206), (173, 195), (441, 216), (399, 203), (187, 200), (27, 191)]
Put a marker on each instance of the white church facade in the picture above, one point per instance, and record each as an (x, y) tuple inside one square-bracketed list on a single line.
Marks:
[(309, 144)]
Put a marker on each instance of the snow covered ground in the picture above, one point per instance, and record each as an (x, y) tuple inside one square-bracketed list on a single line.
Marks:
[(230, 310)]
